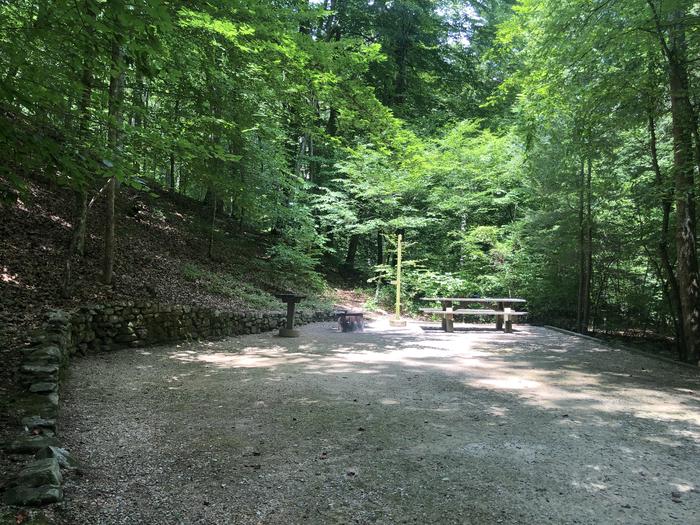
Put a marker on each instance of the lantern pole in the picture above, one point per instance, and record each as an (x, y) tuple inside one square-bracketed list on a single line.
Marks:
[(397, 321)]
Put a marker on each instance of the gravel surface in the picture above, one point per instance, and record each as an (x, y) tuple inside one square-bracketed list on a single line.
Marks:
[(387, 426)]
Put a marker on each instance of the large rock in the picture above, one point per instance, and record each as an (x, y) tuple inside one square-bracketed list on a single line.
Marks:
[(33, 496), (43, 355), (39, 423), (65, 460), (31, 444), (32, 373), (58, 317), (33, 404), (37, 484), (44, 471), (43, 387)]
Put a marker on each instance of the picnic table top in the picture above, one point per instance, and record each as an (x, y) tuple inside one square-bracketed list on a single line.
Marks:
[(476, 299), (469, 311)]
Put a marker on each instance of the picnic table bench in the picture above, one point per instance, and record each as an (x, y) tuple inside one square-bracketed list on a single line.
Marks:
[(503, 310)]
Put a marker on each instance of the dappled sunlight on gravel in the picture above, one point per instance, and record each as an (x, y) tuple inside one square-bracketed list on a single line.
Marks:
[(384, 426)]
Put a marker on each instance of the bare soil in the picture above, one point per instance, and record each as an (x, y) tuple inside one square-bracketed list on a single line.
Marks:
[(386, 426)]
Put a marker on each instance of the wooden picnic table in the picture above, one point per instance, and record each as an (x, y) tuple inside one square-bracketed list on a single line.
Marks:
[(502, 311)]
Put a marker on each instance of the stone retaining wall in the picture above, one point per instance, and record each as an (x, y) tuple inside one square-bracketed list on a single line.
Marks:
[(98, 329), (121, 325)]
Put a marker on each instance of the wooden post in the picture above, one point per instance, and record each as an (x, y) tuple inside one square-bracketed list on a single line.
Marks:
[(508, 320), (449, 320), (499, 319), (397, 321), (398, 278)]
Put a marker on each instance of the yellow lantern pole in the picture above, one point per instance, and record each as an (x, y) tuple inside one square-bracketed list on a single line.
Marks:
[(397, 321)]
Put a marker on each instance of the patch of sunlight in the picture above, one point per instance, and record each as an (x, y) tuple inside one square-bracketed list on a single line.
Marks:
[(661, 440), (685, 487), (600, 350), (689, 434), (497, 411), (307, 401), (61, 221), (477, 362), (274, 349), (7, 277), (589, 486), (509, 383)]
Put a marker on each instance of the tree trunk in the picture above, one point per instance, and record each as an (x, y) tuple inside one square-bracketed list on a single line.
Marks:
[(84, 128), (682, 124), (402, 68), (588, 251), (108, 260), (581, 251), (671, 289), (380, 248), (686, 243), (210, 249), (75, 246), (171, 176), (116, 84), (171, 173), (77, 242), (352, 252)]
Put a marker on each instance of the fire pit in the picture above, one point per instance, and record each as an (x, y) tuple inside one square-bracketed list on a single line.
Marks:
[(350, 321)]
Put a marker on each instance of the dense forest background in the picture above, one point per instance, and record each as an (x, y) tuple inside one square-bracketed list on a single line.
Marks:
[(546, 149)]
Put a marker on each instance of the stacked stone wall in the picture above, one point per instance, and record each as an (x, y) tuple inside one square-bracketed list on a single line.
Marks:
[(133, 324), (103, 328)]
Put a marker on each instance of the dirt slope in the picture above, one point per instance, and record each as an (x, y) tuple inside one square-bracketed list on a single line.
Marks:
[(161, 253)]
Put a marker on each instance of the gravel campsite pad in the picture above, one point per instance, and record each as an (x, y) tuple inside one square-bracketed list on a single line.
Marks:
[(386, 426)]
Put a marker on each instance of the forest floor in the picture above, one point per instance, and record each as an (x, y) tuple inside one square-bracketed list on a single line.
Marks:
[(161, 255), (386, 426)]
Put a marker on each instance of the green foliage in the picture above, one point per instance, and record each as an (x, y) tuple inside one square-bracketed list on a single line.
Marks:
[(327, 127), (232, 287)]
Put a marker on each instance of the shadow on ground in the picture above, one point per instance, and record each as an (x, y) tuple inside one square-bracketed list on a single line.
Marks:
[(387, 426)]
